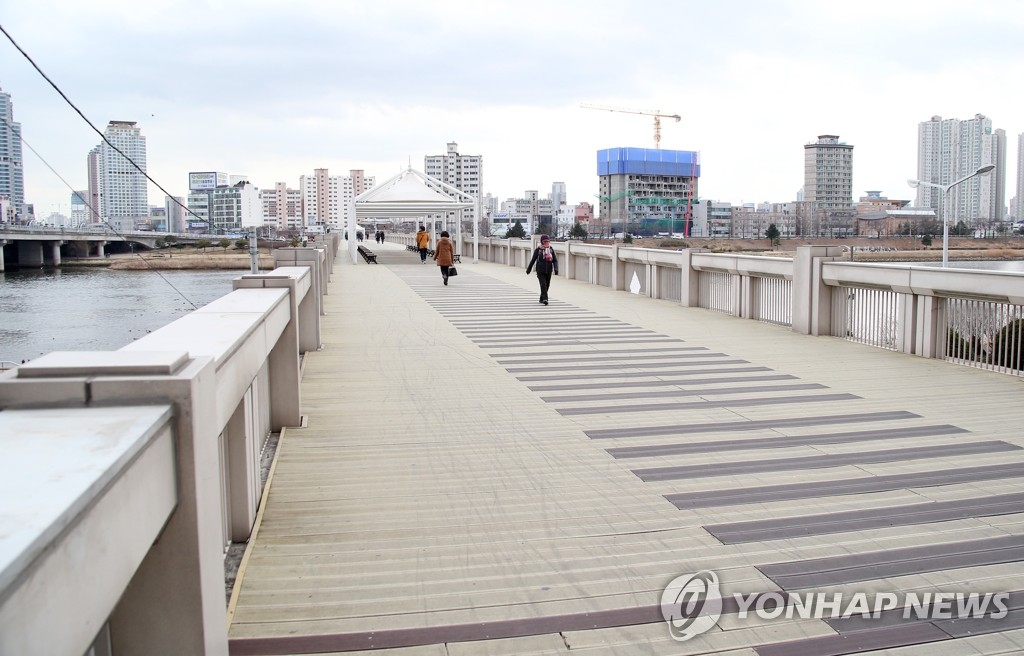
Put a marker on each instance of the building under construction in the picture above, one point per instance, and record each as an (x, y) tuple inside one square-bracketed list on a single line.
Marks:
[(647, 191)]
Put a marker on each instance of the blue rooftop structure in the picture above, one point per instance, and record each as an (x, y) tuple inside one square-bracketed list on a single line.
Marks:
[(648, 161)]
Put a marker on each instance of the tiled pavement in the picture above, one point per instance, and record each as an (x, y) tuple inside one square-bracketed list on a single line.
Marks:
[(481, 474)]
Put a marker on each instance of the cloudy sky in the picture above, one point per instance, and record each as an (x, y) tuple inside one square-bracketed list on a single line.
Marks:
[(275, 89)]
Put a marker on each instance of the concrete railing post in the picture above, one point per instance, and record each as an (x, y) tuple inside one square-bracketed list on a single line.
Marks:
[(812, 298), (174, 602), (689, 284), (930, 319), (301, 335), (747, 297), (618, 270)]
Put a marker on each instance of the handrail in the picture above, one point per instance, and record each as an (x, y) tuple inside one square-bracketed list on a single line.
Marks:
[(221, 378)]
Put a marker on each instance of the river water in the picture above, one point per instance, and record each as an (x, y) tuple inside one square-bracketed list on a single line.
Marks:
[(96, 309), (102, 310)]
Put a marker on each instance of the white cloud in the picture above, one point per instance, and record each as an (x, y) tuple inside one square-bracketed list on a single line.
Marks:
[(274, 91)]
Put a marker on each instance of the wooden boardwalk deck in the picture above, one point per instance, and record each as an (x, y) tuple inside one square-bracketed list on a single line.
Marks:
[(481, 474)]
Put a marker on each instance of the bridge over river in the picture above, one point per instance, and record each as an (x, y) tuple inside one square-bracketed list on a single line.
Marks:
[(466, 471), (44, 246)]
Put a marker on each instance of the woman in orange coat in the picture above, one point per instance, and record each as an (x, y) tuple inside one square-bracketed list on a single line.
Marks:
[(444, 254), (422, 243)]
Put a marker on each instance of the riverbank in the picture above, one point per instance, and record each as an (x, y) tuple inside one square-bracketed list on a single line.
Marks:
[(176, 261)]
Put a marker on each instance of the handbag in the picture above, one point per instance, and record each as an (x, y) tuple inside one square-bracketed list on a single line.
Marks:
[(452, 271)]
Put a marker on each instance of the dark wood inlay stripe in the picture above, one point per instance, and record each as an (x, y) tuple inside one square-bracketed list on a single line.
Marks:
[(894, 617), (789, 492), (782, 442), (861, 520), (722, 427), (569, 334), (584, 356), (835, 645), (397, 638), (665, 383), (820, 462), (592, 351), (648, 374), (611, 364), (572, 398), (580, 342), (855, 568), (581, 328), (701, 405)]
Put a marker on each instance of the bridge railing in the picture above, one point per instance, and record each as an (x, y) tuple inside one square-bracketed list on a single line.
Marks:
[(971, 317), (138, 466)]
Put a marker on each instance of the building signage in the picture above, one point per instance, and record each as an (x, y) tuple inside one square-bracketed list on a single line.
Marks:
[(203, 181)]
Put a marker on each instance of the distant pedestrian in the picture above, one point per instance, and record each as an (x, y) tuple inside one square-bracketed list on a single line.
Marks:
[(546, 262), (382, 236), (423, 243), (444, 254)]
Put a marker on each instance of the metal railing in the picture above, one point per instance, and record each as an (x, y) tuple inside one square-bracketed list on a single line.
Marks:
[(985, 334), (716, 291), (866, 316), (895, 307)]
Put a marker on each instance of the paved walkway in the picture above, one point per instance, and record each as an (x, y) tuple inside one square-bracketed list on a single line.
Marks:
[(481, 474)]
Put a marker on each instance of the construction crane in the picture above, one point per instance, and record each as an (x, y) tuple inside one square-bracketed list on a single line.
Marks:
[(656, 113)]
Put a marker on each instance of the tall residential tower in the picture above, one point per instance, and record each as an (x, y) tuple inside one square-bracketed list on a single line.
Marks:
[(828, 187), (464, 172), (117, 186), (949, 149), (12, 176)]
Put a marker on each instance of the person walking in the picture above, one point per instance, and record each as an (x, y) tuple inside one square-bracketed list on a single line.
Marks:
[(546, 262), (382, 236), (444, 254), (423, 243)]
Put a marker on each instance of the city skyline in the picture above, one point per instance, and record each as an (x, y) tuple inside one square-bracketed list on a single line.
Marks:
[(276, 94)]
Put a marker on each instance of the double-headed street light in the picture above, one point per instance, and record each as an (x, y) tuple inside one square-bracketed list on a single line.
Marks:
[(945, 203)]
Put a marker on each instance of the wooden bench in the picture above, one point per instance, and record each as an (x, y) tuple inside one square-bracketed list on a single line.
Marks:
[(367, 254)]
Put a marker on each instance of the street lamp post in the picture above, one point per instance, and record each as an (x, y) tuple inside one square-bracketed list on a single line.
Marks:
[(984, 170)]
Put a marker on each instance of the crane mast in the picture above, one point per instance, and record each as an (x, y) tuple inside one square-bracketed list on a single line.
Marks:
[(656, 113)]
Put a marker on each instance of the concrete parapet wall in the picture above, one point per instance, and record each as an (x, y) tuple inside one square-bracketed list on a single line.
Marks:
[(157, 524)]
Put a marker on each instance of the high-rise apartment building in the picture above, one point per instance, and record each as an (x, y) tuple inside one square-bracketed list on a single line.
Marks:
[(557, 196), (79, 209), (117, 186), (12, 175), (464, 172), (226, 204), (326, 198), (1019, 206), (648, 190), (949, 149), (282, 207), (828, 188)]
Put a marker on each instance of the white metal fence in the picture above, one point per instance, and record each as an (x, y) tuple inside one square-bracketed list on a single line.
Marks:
[(985, 334), (866, 316)]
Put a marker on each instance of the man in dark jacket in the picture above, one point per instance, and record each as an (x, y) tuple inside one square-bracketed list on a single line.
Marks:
[(546, 263)]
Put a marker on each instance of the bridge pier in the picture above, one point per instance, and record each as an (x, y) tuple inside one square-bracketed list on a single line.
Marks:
[(30, 253), (55, 252), (3, 242)]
